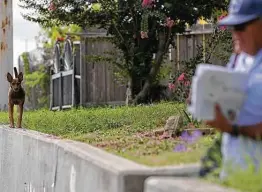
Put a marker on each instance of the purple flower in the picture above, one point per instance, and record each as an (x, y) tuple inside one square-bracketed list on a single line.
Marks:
[(191, 138), (197, 134), (187, 139), (185, 136), (180, 148)]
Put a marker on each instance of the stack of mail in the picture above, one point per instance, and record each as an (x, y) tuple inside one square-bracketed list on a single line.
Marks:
[(216, 84)]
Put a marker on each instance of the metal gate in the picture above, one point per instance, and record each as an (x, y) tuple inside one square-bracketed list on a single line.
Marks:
[(65, 77)]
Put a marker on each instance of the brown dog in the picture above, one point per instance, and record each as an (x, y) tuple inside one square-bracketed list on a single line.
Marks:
[(16, 96)]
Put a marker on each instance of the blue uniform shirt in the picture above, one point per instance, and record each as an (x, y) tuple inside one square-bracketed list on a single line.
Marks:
[(251, 112), (238, 151)]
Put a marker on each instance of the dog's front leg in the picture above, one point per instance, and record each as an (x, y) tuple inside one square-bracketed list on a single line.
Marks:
[(11, 115), (19, 123)]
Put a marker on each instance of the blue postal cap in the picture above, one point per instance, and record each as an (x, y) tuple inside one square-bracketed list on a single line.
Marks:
[(242, 11)]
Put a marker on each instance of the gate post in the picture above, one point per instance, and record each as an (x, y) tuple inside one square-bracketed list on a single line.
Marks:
[(6, 48)]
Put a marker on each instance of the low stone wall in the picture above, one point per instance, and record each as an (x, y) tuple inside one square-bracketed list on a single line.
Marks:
[(36, 162)]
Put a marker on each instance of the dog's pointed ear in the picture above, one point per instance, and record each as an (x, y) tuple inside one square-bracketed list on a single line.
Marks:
[(20, 77), (9, 77)]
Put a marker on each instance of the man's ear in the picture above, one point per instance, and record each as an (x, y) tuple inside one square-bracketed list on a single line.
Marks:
[(9, 77), (20, 77)]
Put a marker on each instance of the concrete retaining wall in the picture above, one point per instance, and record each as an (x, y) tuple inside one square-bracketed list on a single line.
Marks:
[(35, 162), (178, 184)]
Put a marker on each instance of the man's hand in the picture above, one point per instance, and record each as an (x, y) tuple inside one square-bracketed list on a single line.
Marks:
[(220, 122)]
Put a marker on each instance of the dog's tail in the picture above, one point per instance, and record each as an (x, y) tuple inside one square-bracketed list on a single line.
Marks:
[(16, 72)]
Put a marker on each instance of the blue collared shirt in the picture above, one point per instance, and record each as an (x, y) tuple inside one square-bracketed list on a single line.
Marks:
[(238, 151), (251, 112)]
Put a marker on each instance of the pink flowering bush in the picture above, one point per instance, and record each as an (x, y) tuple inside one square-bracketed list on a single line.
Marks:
[(179, 87), (169, 22), (147, 3), (150, 5), (180, 81), (144, 35), (52, 6)]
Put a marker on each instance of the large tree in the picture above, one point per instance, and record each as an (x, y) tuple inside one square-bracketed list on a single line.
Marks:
[(142, 30)]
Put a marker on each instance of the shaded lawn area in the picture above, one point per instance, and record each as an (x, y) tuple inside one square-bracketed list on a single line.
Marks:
[(126, 131)]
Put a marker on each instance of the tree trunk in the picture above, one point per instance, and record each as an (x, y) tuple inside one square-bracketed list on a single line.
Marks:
[(129, 97), (134, 87), (162, 48)]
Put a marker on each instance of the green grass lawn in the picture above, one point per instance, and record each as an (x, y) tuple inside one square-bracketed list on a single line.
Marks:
[(125, 131)]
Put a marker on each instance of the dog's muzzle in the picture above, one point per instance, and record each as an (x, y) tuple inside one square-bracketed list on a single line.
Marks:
[(15, 89)]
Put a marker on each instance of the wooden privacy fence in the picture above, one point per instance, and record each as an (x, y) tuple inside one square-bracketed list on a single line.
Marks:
[(187, 43), (99, 85), (80, 81)]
